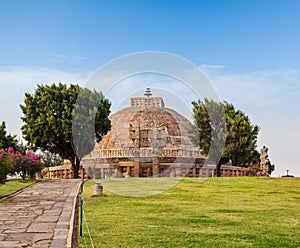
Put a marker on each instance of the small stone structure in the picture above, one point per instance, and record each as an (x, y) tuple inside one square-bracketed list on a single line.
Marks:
[(98, 189)]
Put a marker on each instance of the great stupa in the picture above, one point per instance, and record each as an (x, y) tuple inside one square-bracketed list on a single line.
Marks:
[(146, 140)]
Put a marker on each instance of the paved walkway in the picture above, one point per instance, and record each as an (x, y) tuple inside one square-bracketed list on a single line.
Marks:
[(39, 216)]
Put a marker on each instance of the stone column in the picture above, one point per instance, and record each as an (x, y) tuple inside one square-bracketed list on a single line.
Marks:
[(116, 173), (194, 171), (155, 167), (148, 172), (136, 169), (178, 172), (172, 172), (200, 172)]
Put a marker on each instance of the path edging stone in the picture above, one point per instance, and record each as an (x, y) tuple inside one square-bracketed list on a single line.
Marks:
[(72, 240)]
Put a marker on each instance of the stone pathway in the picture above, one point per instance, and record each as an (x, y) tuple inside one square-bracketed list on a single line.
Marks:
[(39, 216)]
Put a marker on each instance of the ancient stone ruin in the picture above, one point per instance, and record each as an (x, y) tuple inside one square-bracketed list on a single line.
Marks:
[(147, 140)]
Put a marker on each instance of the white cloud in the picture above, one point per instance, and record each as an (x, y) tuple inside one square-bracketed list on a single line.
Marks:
[(64, 57), (16, 81), (205, 66)]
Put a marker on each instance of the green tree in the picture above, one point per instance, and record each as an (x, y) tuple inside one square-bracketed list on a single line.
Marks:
[(240, 134), (271, 167), (50, 159), (6, 163), (7, 140), (50, 120)]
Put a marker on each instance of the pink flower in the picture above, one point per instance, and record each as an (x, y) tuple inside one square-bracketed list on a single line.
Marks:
[(10, 150)]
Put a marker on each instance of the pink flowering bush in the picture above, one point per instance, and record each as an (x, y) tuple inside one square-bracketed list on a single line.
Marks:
[(6, 163), (26, 165), (253, 170)]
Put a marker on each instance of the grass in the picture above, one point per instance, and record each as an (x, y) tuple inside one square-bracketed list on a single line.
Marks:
[(14, 185), (219, 212)]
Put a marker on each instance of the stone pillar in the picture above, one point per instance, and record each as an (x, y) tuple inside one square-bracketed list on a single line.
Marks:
[(155, 166), (136, 169), (71, 175), (200, 172), (148, 172), (194, 171), (178, 172), (115, 174), (172, 172), (96, 173), (128, 172)]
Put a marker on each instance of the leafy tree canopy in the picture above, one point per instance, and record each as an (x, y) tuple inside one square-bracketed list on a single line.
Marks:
[(7, 140), (50, 159), (240, 134), (48, 115)]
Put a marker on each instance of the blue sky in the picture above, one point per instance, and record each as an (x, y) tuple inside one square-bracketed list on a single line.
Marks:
[(248, 49), (243, 35)]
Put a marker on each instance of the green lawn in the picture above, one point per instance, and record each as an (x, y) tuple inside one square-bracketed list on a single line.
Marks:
[(13, 185), (219, 212)]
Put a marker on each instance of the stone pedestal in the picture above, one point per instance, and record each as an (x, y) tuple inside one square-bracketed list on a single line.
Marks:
[(98, 189)]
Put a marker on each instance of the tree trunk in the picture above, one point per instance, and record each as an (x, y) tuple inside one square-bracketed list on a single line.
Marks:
[(75, 165), (219, 169), (75, 173)]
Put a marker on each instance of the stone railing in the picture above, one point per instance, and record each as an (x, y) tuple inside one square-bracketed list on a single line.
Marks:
[(61, 172), (144, 152), (230, 171)]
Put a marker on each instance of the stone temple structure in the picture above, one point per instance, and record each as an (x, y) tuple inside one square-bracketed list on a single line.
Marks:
[(147, 140)]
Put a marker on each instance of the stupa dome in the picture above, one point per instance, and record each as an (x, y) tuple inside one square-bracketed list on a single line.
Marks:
[(147, 123)]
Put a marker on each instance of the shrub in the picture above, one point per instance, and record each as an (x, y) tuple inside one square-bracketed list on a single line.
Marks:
[(253, 170), (6, 163), (26, 165)]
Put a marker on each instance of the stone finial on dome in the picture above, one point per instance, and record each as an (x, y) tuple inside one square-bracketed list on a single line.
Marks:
[(148, 92)]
